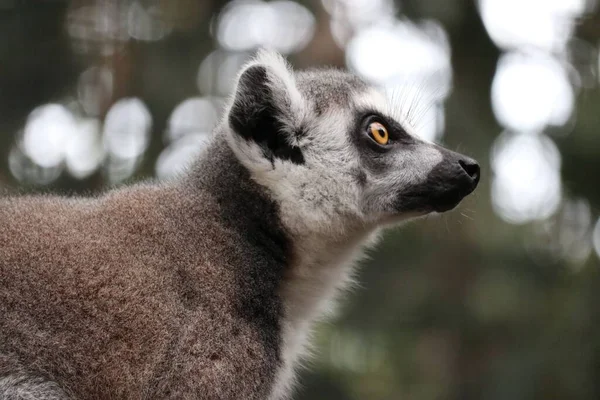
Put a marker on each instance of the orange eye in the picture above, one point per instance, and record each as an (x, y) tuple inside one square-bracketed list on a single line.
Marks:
[(379, 133)]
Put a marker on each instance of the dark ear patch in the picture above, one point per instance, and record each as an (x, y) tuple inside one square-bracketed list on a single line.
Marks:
[(254, 116)]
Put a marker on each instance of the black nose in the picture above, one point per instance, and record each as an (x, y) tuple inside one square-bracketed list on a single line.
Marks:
[(471, 168)]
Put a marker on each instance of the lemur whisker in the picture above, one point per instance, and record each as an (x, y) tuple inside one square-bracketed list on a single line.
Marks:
[(466, 216)]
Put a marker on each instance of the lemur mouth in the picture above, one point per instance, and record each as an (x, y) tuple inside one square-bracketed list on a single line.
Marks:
[(449, 202)]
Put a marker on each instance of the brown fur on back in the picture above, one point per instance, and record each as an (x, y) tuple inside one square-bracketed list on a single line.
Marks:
[(153, 291)]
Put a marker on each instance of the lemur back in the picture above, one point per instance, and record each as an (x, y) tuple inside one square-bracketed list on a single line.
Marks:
[(206, 287)]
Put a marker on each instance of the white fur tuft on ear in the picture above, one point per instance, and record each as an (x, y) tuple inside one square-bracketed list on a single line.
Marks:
[(283, 84), (265, 113), (281, 73)]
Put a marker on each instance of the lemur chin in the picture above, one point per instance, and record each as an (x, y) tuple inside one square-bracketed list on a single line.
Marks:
[(206, 287)]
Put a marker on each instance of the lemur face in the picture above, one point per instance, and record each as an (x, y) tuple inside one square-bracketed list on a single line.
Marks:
[(333, 151)]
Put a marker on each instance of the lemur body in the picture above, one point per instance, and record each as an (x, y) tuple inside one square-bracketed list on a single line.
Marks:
[(206, 287)]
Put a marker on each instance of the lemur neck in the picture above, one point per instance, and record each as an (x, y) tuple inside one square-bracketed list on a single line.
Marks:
[(307, 268), (320, 269), (245, 241), (241, 204)]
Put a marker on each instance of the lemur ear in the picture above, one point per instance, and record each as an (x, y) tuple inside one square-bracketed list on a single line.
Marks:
[(266, 108)]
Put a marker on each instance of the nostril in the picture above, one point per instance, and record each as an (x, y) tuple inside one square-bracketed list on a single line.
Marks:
[(471, 168)]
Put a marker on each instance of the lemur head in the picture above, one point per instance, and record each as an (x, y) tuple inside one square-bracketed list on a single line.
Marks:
[(334, 153)]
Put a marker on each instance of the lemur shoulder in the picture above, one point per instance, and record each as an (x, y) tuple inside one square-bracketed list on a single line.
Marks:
[(206, 286)]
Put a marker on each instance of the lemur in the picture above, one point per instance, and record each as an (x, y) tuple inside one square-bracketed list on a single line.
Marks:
[(206, 286)]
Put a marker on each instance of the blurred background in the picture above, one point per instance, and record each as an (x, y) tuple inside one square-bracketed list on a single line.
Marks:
[(499, 299)]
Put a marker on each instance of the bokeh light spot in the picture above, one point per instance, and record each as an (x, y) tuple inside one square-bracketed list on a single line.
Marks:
[(174, 159), (526, 185), (84, 152), (249, 24), (119, 169), (194, 115), (46, 132), (531, 92), (127, 128), (350, 16), (387, 52), (146, 23), (217, 72), (544, 24), (26, 171)]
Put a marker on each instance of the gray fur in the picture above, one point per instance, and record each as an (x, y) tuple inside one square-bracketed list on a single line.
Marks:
[(327, 88), (26, 387), (17, 384), (206, 287)]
